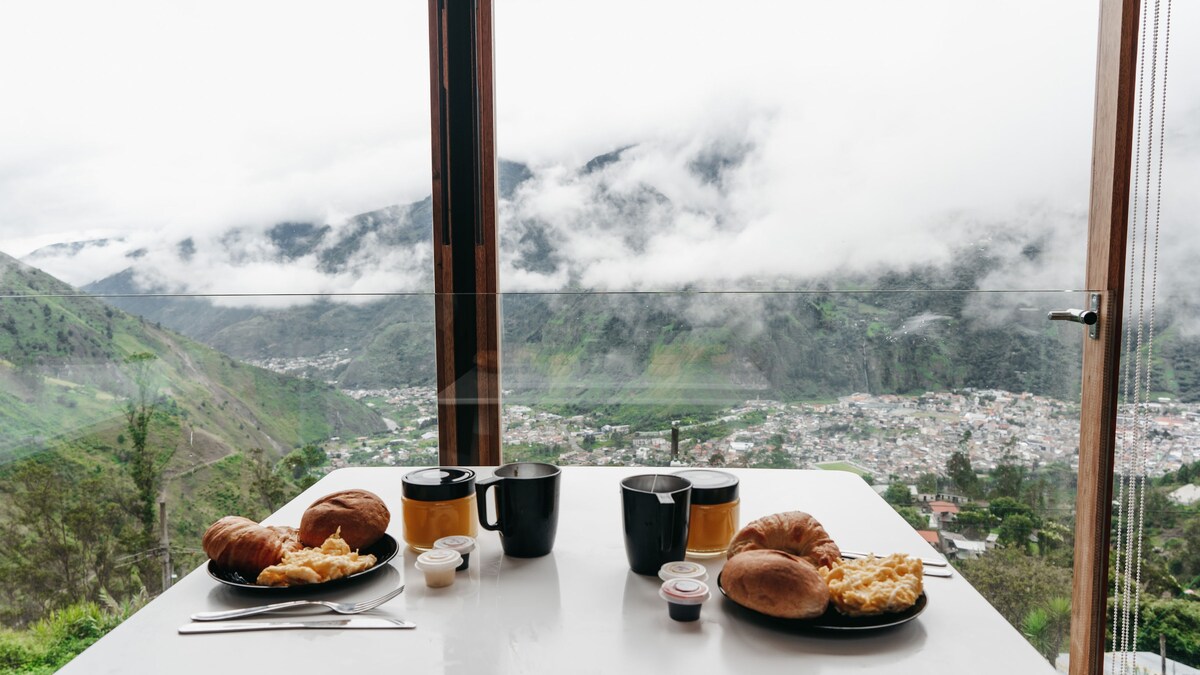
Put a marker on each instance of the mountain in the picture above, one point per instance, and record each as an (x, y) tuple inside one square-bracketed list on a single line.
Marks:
[(65, 362), (904, 332), (579, 349)]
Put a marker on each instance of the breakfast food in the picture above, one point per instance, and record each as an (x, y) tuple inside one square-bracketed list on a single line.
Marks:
[(335, 528), (333, 560), (775, 583), (241, 545), (793, 532), (361, 516), (874, 585)]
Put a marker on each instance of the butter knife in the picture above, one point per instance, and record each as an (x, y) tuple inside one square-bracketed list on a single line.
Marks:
[(226, 627)]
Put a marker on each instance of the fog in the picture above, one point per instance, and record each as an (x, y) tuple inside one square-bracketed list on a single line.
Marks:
[(794, 141)]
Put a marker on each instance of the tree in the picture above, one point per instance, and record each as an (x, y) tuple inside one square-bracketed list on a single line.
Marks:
[(1185, 473), (1190, 556), (975, 521), (1179, 621), (68, 527), (913, 517), (1054, 536), (960, 471), (927, 483), (272, 489), (145, 461), (302, 464), (1015, 583), (1016, 529), (1047, 626), (1008, 478), (897, 494), (1003, 507), (774, 458)]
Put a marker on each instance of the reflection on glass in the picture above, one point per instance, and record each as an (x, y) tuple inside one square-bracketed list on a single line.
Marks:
[(214, 287), (962, 408)]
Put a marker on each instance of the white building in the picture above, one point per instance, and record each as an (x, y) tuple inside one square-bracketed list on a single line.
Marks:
[(1186, 495)]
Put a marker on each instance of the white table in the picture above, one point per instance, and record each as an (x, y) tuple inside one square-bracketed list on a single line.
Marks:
[(579, 609)]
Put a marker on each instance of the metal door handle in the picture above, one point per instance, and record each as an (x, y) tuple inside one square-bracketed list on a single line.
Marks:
[(1087, 317)]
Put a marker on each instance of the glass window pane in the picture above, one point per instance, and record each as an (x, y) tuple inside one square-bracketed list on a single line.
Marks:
[(810, 237), (216, 279), (795, 144)]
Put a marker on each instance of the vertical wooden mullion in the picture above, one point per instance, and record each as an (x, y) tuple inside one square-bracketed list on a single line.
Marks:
[(464, 215), (487, 244), (1107, 227), (442, 262)]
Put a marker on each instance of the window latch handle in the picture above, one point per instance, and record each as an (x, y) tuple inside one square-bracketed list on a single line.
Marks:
[(1088, 317)]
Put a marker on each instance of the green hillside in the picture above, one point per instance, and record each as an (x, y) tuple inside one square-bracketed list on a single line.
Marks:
[(79, 483), (64, 370)]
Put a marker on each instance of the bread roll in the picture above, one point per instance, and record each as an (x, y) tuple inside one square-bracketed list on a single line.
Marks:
[(776, 584), (794, 532), (362, 516), (241, 545)]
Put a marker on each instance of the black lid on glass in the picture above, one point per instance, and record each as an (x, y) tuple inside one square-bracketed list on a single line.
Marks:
[(711, 487), (438, 484)]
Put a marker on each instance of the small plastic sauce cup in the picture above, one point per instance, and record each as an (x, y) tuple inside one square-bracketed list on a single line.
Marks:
[(463, 544), (682, 570), (684, 598), (438, 566)]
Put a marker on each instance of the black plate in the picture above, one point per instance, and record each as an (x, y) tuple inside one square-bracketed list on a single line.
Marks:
[(384, 550), (834, 620)]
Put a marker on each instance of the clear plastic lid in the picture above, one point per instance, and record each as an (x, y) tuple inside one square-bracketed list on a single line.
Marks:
[(682, 569), (456, 542), (438, 559), (684, 591)]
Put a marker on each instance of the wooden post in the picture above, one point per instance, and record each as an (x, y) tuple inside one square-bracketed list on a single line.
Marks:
[(464, 231), (164, 542), (1112, 143), (1162, 650)]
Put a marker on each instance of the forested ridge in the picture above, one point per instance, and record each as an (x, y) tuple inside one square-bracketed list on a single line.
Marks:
[(102, 416)]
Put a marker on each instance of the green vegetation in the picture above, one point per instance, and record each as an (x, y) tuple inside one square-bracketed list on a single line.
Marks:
[(50, 643), (532, 453), (102, 415), (1027, 577), (844, 466)]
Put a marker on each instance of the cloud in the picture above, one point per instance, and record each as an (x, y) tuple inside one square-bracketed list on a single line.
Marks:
[(790, 142), (137, 116)]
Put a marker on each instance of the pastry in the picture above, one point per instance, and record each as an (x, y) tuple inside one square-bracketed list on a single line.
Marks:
[(361, 515), (775, 583), (241, 545), (793, 532)]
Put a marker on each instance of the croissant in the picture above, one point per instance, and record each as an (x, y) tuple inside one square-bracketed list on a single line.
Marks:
[(241, 545), (794, 532)]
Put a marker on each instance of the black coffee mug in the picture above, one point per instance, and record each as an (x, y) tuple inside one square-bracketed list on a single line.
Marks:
[(655, 510), (526, 507)]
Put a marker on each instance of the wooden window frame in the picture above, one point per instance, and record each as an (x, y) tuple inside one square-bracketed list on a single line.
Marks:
[(1108, 216), (466, 284), (464, 231)]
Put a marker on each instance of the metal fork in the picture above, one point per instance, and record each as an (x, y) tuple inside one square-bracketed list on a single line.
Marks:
[(339, 607)]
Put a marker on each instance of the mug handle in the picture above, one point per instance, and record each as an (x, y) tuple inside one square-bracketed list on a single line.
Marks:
[(481, 488)]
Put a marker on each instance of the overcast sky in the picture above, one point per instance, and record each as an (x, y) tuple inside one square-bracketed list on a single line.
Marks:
[(867, 134)]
